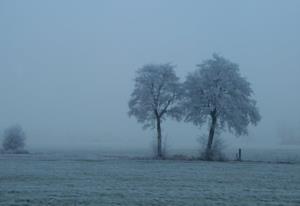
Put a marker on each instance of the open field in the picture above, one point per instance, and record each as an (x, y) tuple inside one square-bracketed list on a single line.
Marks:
[(58, 180)]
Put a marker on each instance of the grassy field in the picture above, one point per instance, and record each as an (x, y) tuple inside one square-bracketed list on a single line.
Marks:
[(56, 180)]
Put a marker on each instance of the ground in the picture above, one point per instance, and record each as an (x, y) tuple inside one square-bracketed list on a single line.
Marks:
[(59, 180)]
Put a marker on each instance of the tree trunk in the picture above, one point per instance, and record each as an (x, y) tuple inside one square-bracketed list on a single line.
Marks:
[(209, 154), (159, 149)]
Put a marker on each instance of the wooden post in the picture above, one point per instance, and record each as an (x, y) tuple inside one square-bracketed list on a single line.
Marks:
[(240, 155)]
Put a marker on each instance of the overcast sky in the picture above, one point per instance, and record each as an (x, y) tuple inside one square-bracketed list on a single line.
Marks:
[(67, 67)]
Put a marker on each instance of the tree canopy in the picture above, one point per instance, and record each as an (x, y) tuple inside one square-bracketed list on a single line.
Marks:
[(156, 93), (218, 88)]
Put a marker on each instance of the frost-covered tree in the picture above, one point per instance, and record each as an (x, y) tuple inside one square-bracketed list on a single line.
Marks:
[(217, 93), (155, 96), (14, 139)]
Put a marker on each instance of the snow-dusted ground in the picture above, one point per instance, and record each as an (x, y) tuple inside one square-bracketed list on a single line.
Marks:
[(56, 179)]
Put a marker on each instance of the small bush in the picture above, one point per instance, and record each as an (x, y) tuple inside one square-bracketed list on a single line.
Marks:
[(217, 151), (164, 148), (14, 140)]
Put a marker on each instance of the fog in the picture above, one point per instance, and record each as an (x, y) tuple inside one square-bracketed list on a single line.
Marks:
[(67, 67)]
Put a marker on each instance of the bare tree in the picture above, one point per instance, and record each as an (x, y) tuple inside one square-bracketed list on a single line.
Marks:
[(216, 92), (155, 96), (14, 139)]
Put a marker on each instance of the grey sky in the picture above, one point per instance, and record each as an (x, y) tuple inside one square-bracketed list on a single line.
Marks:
[(67, 67)]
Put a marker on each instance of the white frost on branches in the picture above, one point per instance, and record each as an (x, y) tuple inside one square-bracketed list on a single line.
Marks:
[(217, 86), (156, 94)]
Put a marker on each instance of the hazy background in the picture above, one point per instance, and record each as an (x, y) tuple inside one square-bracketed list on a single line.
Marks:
[(67, 67)]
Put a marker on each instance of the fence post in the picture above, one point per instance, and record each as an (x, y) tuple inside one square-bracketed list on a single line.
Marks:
[(240, 155)]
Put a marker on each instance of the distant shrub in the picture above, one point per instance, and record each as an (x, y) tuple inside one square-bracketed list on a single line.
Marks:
[(14, 140)]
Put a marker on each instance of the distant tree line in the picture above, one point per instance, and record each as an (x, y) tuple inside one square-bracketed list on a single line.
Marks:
[(215, 94)]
